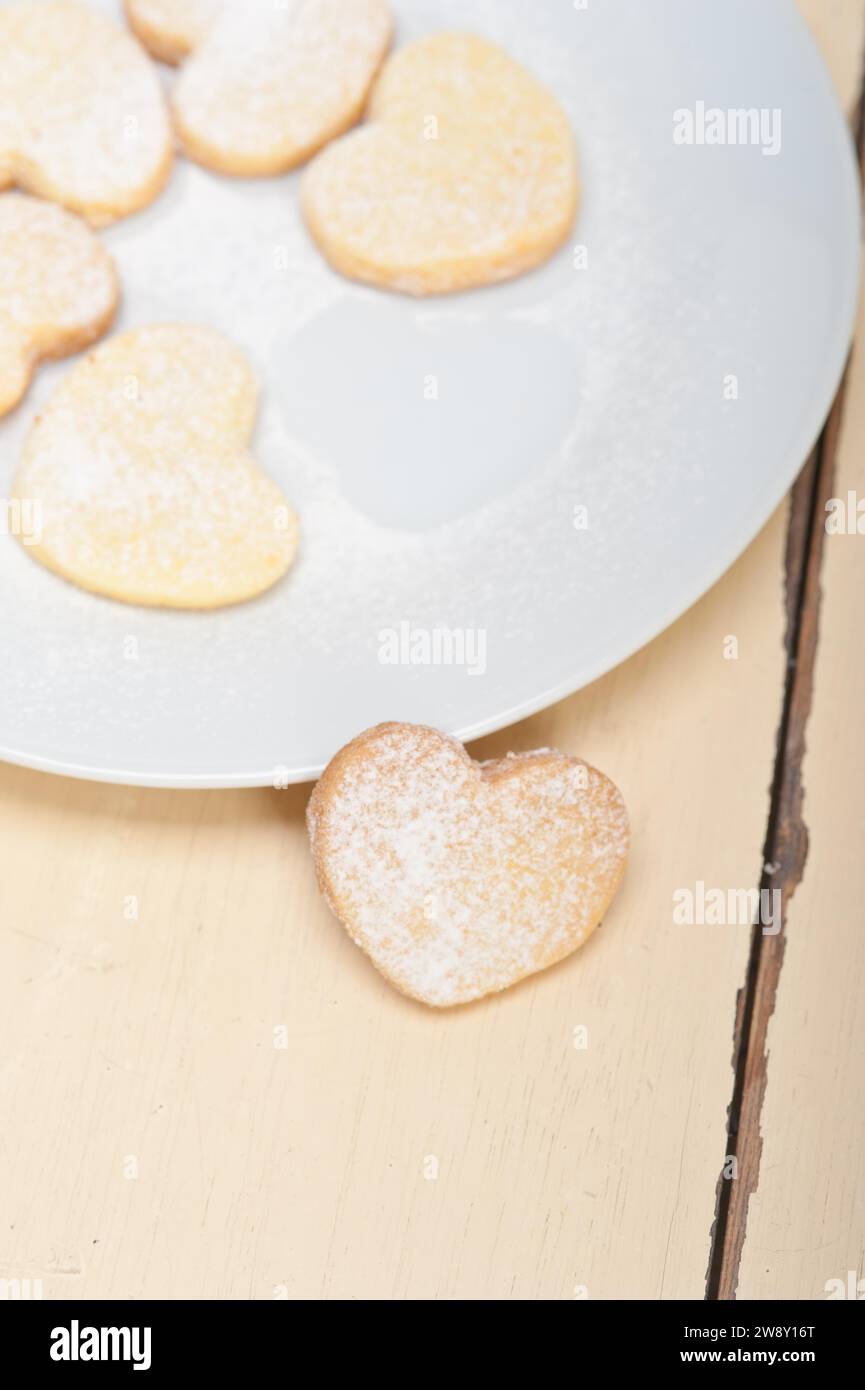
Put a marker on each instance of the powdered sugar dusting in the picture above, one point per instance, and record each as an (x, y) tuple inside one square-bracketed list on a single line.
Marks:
[(170, 29), (226, 698), (464, 175), (460, 879), (271, 83), (139, 464), (83, 120), (58, 289)]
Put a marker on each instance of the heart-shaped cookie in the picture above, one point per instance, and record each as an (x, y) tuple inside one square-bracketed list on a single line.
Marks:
[(172, 29), (464, 175), (460, 878), (82, 117), (265, 84), (58, 289), (141, 473)]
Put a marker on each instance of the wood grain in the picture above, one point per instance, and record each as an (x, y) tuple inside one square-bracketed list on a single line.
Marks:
[(206, 1091), (785, 857), (148, 1045), (841, 31), (806, 1220)]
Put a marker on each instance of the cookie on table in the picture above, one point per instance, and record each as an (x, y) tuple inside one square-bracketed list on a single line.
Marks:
[(82, 117), (460, 878), (264, 85), (58, 289), (141, 468), (464, 174)]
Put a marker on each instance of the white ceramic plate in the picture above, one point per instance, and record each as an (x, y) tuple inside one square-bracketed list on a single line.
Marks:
[(603, 386)]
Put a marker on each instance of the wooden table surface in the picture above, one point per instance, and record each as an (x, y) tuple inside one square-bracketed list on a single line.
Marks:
[(205, 1090)]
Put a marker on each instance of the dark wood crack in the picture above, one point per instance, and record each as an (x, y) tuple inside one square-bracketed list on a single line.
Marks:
[(786, 845)]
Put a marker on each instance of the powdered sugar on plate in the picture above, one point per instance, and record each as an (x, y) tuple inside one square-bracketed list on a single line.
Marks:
[(599, 485)]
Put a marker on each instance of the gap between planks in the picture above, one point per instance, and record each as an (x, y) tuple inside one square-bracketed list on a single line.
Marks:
[(786, 846)]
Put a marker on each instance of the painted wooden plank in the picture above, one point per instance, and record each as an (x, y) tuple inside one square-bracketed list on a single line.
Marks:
[(840, 29), (806, 1221), (207, 1091)]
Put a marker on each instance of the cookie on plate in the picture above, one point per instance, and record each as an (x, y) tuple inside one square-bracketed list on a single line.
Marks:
[(460, 878), (172, 29), (265, 85), (82, 117), (141, 470), (58, 289), (464, 174)]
